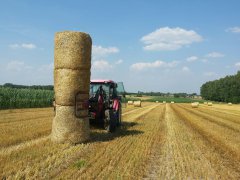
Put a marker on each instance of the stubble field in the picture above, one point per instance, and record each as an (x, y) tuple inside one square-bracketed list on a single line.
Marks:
[(156, 141)]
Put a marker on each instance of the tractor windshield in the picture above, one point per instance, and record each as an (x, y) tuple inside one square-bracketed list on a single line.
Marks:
[(95, 87), (120, 88)]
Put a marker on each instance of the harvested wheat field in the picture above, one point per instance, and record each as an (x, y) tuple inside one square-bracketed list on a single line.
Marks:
[(156, 141)]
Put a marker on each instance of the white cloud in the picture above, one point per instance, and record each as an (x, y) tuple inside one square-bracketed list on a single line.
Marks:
[(209, 74), (169, 39), (119, 61), (16, 66), (156, 64), (99, 51), (23, 45), (185, 69), (101, 65), (234, 29), (237, 65), (192, 58), (29, 46), (215, 55)]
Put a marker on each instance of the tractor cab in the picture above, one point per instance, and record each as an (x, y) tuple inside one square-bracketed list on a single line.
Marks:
[(105, 104)]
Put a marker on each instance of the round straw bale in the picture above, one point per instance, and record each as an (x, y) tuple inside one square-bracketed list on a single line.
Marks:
[(156, 101), (67, 83), (230, 104), (210, 103), (195, 105), (68, 128), (130, 102), (137, 103), (164, 102), (205, 103), (172, 102), (72, 50)]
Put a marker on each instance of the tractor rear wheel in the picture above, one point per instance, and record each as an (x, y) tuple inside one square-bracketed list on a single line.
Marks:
[(109, 121)]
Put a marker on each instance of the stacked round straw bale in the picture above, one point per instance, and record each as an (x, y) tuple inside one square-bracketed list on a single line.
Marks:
[(72, 63), (137, 104), (195, 104)]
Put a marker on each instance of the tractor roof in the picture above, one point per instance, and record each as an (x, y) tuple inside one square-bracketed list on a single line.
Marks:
[(102, 81)]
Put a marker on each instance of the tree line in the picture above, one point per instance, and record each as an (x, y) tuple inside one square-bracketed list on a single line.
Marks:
[(45, 87), (223, 90)]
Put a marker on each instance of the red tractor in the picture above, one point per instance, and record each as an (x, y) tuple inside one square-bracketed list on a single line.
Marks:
[(105, 108)]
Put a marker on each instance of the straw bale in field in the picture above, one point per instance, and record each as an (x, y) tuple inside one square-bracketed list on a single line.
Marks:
[(72, 50), (172, 102), (72, 63), (230, 104), (164, 102), (130, 103), (156, 101), (205, 103), (137, 103), (67, 83), (195, 104), (68, 128), (210, 103)]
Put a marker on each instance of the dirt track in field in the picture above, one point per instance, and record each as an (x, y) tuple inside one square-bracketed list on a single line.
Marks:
[(157, 141)]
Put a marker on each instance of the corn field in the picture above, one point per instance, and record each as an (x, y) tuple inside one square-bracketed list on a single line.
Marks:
[(25, 98)]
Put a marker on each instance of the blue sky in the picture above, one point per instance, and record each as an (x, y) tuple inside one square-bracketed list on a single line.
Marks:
[(167, 46)]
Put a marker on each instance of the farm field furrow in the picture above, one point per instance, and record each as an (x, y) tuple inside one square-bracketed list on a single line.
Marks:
[(45, 158), (225, 143), (230, 110), (157, 141), (122, 157), (220, 114), (228, 123), (180, 156), (17, 128)]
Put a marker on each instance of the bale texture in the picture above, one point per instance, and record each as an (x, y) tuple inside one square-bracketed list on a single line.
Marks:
[(67, 128), (67, 83), (137, 104), (72, 50), (72, 63)]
